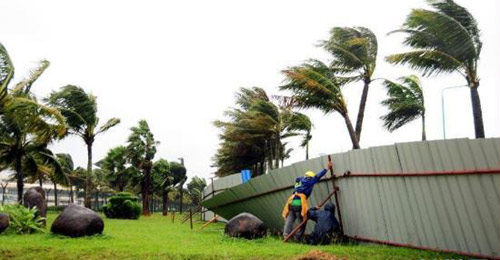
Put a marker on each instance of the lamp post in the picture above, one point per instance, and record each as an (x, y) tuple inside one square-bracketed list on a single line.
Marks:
[(442, 107), (181, 184)]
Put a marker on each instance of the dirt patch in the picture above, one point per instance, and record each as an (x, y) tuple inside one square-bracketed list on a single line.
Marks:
[(316, 254)]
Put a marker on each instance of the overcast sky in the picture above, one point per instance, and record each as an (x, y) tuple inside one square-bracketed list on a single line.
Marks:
[(178, 64)]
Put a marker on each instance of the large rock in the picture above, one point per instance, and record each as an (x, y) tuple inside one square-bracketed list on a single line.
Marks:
[(245, 225), (4, 222), (77, 221), (35, 196)]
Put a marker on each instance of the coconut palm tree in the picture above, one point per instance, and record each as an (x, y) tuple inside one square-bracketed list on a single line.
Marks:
[(314, 85), (6, 74), (255, 132), (80, 111), (67, 167), (178, 171), (163, 178), (141, 150), (118, 170), (354, 53), (26, 126), (445, 40), (405, 102)]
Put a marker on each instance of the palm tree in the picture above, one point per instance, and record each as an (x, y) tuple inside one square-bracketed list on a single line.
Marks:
[(163, 178), (405, 103), (178, 172), (303, 123), (67, 167), (195, 189), (255, 132), (80, 111), (26, 126), (354, 53), (118, 171), (314, 85), (141, 150), (444, 40), (6, 74)]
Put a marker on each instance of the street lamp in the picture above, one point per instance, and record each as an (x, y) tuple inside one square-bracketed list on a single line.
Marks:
[(442, 107)]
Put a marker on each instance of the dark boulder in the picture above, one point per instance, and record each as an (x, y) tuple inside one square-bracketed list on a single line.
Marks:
[(77, 221), (35, 197), (4, 222), (245, 225)]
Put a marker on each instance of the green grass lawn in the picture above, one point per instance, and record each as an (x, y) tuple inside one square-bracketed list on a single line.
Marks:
[(156, 237)]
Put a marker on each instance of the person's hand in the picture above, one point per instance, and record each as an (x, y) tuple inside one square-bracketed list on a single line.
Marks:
[(329, 165), (317, 207)]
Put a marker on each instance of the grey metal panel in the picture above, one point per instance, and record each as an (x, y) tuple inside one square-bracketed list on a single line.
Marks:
[(452, 212)]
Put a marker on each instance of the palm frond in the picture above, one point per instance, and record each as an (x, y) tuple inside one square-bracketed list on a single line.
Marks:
[(109, 124), (24, 85)]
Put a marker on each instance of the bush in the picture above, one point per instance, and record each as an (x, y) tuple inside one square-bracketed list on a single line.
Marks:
[(23, 220), (123, 206)]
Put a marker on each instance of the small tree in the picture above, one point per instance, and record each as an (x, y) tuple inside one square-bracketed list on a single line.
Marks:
[(195, 189), (141, 150), (179, 173), (163, 180)]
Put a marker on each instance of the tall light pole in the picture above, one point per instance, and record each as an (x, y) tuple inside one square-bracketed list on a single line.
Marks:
[(181, 184), (442, 107)]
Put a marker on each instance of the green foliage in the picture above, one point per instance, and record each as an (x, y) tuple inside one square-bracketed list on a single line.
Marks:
[(444, 40), (405, 102), (195, 189), (253, 136), (80, 112), (26, 126), (315, 85), (23, 220), (119, 173), (122, 206)]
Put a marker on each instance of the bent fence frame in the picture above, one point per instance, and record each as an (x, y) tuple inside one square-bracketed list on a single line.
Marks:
[(439, 195)]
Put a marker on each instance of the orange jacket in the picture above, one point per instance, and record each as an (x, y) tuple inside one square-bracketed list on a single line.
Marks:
[(303, 200)]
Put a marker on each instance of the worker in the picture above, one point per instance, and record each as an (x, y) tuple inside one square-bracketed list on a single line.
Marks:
[(326, 225), (297, 205)]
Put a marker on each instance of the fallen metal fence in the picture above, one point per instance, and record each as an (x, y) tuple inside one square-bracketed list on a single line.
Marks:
[(439, 195)]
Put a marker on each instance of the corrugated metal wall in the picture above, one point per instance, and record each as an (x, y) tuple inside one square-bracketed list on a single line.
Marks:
[(447, 212), (219, 186)]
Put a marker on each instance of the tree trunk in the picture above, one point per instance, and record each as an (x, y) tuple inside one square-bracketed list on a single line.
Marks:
[(71, 195), (180, 199), (262, 167), (20, 179), (40, 181), (361, 111), (477, 111), (424, 138), (4, 187), (164, 199), (352, 134), (278, 154), (87, 200), (145, 190), (55, 194), (307, 150), (270, 157), (96, 199)]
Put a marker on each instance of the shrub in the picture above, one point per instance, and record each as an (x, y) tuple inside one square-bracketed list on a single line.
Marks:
[(123, 206), (23, 220)]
